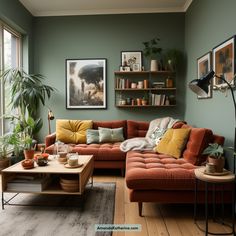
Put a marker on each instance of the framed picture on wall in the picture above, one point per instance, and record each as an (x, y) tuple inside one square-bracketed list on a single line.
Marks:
[(203, 67), (131, 59), (224, 63), (86, 83)]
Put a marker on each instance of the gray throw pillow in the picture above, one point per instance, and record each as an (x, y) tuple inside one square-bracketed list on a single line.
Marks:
[(92, 136), (110, 135)]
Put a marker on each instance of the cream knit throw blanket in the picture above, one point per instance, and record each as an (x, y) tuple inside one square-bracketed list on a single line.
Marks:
[(156, 130)]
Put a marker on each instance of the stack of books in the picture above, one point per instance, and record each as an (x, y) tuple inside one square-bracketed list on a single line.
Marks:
[(158, 84), (28, 183)]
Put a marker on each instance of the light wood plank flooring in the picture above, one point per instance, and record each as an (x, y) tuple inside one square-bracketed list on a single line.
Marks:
[(158, 220)]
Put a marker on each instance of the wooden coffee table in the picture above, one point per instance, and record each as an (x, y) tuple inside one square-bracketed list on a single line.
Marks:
[(52, 171)]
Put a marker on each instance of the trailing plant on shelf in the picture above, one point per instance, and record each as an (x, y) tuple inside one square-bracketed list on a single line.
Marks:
[(173, 59)]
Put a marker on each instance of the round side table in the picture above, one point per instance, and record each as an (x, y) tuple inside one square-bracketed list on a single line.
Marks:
[(213, 181)]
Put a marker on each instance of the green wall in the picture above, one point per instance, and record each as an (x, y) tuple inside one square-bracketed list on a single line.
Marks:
[(102, 36), (207, 24), (14, 14)]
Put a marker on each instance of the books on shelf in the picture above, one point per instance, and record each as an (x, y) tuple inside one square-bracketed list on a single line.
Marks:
[(158, 99), (28, 183), (122, 83)]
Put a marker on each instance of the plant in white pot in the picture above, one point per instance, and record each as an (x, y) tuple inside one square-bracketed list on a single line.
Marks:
[(152, 52), (215, 154)]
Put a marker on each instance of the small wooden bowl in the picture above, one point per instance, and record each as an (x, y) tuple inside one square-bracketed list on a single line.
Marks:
[(27, 164)]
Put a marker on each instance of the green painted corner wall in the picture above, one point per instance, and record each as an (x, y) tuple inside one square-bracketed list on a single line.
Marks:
[(14, 14), (208, 23), (102, 36)]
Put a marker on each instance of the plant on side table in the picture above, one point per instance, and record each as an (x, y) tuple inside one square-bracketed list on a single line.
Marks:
[(215, 156)]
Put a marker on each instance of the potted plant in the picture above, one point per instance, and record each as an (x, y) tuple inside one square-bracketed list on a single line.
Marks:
[(215, 156), (145, 100), (172, 59), (4, 159), (27, 92), (152, 51)]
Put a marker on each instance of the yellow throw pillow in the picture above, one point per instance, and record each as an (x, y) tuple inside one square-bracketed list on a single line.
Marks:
[(173, 142), (72, 131)]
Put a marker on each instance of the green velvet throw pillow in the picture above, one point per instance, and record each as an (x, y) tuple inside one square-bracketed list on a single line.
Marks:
[(92, 136), (110, 135)]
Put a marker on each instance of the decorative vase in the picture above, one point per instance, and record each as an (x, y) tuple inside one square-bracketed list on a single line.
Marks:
[(218, 163), (29, 154), (154, 65)]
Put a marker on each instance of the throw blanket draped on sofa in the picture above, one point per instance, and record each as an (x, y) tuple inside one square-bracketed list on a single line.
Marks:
[(156, 130)]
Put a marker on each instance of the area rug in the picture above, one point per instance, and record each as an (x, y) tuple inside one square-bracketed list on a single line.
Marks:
[(65, 215)]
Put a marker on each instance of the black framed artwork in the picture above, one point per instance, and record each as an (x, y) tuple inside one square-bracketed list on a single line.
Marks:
[(204, 66), (86, 83)]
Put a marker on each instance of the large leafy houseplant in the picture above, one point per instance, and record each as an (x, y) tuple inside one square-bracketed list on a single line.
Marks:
[(27, 92)]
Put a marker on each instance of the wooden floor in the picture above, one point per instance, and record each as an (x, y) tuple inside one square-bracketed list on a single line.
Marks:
[(158, 220)]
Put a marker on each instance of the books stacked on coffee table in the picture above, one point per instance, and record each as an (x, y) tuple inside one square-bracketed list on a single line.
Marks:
[(28, 183)]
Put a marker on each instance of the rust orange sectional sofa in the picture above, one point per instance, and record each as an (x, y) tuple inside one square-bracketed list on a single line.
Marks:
[(150, 176)]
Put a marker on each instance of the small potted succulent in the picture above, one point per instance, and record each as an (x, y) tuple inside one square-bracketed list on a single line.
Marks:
[(215, 156), (145, 100)]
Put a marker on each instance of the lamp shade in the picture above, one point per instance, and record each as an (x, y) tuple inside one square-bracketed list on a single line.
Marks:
[(200, 86), (50, 115)]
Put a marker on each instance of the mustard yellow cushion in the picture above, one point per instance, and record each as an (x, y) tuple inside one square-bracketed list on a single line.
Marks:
[(72, 131), (173, 142)]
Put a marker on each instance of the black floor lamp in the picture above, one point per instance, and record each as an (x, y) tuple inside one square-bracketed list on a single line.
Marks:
[(200, 87)]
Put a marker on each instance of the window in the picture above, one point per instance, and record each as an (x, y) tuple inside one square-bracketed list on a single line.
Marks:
[(10, 57)]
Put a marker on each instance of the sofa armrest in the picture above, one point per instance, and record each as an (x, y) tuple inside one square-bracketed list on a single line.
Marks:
[(50, 139)]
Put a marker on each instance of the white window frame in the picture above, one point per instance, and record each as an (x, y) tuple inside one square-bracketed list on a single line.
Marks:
[(4, 26)]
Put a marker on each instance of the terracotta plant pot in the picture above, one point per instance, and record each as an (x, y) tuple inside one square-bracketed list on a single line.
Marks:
[(4, 163), (218, 163), (144, 102), (29, 154)]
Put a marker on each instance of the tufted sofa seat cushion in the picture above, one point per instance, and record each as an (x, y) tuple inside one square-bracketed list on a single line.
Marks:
[(101, 152), (152, 171)]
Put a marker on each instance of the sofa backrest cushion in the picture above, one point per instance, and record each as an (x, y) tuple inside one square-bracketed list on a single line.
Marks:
[(107, 135), (136, 128), (112, 125), (199, 139), (72, 131)]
